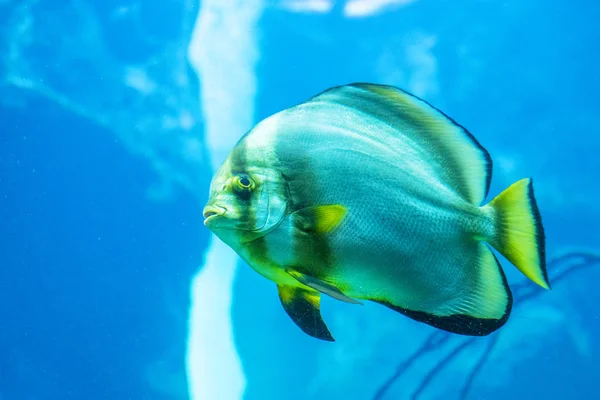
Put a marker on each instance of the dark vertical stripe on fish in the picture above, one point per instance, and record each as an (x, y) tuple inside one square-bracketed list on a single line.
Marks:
[(257, 249), (312, 251)]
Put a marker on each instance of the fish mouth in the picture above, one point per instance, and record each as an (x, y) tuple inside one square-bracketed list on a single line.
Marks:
[(211, 212)]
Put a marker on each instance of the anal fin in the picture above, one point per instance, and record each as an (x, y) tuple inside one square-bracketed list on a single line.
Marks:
[(303, 307), (480, 308)]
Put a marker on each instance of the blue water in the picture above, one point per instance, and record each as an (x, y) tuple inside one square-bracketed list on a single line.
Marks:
[(85, 262), (95, 274)]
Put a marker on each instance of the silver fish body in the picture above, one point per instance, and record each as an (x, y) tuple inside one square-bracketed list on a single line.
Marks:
[(378, 197)]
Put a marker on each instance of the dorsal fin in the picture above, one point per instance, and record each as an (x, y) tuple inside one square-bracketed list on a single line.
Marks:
[(454, 154)]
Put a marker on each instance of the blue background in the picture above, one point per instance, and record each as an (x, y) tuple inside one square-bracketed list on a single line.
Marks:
[(94, 274)]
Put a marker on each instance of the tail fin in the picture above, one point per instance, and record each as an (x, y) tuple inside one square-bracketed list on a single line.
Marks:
[(519, 234)]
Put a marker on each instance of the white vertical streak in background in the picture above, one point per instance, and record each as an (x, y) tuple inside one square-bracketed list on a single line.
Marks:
[(223, 51)]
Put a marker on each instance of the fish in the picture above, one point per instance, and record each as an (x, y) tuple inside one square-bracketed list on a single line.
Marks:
[(366, 192)]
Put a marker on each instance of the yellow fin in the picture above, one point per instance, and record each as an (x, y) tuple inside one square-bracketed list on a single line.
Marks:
[(519, 234), (322, 286), (321, 219), (303, 307)]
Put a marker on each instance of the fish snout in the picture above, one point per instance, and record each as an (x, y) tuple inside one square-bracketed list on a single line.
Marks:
[(211, 212)]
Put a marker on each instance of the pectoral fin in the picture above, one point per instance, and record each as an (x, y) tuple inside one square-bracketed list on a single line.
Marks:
[(322, 286), (320, 219), (303, 307)]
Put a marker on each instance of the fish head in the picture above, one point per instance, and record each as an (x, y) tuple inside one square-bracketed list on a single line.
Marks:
[(245, 203)]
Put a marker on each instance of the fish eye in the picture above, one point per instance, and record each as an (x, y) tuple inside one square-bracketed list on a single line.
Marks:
[(244, 182)]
